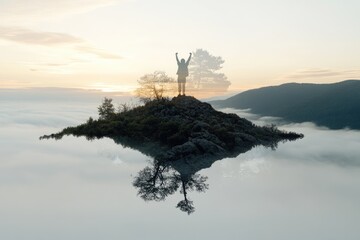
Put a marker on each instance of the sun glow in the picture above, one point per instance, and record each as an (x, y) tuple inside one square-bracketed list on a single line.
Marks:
[(104, 87)]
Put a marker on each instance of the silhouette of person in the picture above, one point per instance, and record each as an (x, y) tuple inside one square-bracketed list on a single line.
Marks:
[(182, 73)]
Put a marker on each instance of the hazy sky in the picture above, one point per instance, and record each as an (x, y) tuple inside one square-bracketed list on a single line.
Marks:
[(109, 44)]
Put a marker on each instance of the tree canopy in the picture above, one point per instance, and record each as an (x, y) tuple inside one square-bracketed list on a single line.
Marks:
[(106, 109), (204, 73)]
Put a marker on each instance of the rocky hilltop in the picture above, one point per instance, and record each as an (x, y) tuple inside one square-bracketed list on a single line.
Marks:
[(180, 128)]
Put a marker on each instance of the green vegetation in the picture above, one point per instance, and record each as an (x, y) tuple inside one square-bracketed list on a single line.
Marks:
[(184, 125), (106, 109)]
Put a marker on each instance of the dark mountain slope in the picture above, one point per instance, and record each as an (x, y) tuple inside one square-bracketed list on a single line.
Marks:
[(334, 105)]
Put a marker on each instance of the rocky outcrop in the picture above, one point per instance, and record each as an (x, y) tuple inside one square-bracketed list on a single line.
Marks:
[(180, 128)]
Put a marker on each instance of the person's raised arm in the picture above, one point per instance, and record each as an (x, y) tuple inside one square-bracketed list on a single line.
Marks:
[(188, 61), (177, 59)]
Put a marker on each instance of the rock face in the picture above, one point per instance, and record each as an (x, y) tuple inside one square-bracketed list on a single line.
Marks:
[(181, 128)]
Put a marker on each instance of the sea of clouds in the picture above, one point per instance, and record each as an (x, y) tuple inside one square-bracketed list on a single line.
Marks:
[(79, 189)]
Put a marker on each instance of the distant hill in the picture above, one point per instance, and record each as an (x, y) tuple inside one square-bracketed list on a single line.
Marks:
[(334, 105)]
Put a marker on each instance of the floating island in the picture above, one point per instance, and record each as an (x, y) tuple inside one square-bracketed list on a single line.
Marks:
[(180, 128), (183, 136)]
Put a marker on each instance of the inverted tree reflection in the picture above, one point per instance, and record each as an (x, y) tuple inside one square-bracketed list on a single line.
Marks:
[(156, 182)]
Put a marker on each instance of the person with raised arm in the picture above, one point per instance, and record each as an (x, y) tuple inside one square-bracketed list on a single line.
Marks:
[(182, 73)]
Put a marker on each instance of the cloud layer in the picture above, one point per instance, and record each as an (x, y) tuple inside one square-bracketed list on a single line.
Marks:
[(27, 36), (24, 11), (97, 52), (322, 73), (71, 189), (52, 39)]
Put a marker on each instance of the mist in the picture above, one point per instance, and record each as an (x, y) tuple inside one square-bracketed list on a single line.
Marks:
[(79, 189)]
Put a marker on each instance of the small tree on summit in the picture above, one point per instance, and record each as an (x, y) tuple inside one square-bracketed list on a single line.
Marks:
[(154, 86), (106, 109)]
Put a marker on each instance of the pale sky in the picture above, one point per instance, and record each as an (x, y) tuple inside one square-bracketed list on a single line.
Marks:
[(109, 44)]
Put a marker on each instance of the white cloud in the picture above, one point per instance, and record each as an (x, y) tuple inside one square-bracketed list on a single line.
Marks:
[(51, 39), (52, 107), (97, 52), (322, 73), (28, 36), (319, 144), (48, 187), (27, 11)]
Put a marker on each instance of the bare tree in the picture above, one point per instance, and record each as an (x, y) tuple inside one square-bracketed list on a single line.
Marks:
[(155, 86)]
